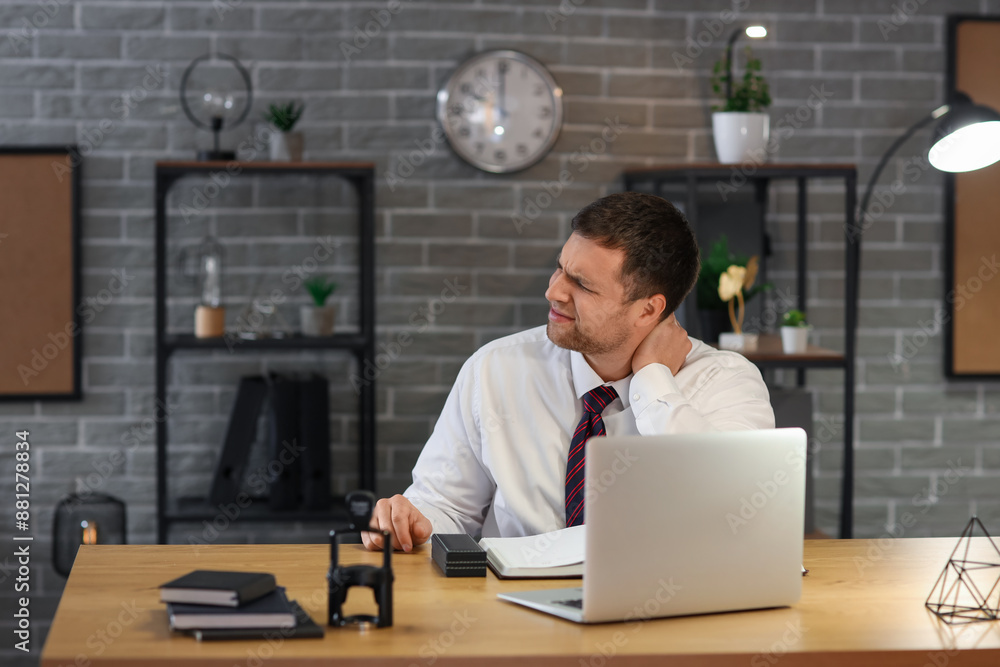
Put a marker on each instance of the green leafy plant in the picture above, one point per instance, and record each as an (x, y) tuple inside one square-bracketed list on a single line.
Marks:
[(284, 116), (320, 289), (794, 318), (713, 265), (751, 93)]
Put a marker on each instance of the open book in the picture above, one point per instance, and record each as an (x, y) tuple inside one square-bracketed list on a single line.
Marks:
[(554, 555)]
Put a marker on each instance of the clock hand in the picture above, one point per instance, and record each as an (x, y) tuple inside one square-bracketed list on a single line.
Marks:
[(501, 104)]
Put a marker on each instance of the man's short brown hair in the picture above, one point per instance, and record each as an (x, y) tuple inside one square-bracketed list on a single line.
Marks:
[(661, 252)]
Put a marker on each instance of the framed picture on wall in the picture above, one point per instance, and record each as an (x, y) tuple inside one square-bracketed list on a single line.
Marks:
[(40, 314), (972, 228)]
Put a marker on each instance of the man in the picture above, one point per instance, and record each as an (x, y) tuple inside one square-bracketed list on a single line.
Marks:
[(504, 438)]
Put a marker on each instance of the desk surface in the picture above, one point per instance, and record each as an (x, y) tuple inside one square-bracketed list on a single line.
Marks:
[(862, 604)]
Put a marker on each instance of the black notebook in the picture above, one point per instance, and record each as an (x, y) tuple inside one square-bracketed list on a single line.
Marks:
[(270, 611), (305, 628), (218, 588)]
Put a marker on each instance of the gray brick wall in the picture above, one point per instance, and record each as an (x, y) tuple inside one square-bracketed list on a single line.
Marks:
[(62, 69)]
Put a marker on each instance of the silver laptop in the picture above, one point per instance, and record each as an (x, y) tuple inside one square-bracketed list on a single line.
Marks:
[(687, 524)]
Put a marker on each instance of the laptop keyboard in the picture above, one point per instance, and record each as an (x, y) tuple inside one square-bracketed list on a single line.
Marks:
[(577, 604)]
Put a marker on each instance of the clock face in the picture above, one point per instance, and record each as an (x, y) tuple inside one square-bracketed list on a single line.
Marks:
[(501, 111)]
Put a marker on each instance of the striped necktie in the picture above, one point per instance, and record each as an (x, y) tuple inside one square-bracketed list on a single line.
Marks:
[(594, 402)]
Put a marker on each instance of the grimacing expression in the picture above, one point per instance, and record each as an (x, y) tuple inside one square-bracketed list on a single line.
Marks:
[(588, 309)]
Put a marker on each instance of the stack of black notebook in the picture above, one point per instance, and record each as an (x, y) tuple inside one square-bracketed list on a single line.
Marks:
[(298, 449), (234, 605)]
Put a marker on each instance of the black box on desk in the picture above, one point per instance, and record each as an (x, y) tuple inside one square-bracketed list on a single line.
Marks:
[(458, 555)]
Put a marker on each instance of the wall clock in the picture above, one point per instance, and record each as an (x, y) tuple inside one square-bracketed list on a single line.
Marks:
[(501, 111)]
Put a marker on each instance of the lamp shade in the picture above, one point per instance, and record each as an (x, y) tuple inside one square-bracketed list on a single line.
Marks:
[(966, 138)]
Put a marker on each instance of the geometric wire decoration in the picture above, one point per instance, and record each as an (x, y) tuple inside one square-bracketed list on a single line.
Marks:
[(959, 590)]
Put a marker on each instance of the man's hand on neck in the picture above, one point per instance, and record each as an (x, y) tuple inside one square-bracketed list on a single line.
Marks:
[(667, 343)]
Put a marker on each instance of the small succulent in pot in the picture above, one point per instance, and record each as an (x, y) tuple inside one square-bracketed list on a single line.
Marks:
[(286, 145), (318, 319)]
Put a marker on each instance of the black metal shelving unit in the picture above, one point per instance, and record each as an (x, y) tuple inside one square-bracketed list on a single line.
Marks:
[(362, 344), (769, 354)]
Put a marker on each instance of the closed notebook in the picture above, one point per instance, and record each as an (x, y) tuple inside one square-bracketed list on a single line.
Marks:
[(305, 628), (221, 588), (271, 611)]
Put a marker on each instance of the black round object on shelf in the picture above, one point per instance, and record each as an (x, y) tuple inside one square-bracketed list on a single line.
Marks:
[(91, 518)]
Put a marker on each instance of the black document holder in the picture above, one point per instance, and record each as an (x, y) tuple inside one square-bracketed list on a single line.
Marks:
[(240, 435), (314, 437), (284, 456)]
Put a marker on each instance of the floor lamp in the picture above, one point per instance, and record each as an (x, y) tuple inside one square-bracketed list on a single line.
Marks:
[(965, 138)]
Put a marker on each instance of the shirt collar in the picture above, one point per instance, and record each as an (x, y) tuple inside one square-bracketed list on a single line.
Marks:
[(585, 378)]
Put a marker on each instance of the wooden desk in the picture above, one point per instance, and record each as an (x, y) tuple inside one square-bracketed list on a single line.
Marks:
[(862, 605)]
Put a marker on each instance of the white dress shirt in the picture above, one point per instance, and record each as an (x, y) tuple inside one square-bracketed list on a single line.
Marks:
[(503, 436)]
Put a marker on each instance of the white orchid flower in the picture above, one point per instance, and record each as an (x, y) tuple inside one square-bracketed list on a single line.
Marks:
[(731, 282)]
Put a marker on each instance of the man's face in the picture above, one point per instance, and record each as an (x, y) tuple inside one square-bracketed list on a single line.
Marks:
[(588, 311)]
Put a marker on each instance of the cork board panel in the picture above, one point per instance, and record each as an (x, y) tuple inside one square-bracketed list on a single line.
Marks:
[(39, 336), (975, 231)]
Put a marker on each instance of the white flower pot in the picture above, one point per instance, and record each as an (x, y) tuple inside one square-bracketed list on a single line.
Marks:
[(741, 137), (738, 342), (317, 321), (794, 339), (286, 146)]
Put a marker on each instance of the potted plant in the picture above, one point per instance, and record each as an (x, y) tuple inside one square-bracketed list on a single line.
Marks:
[(732, 283), (713, 315), (740, 125), (318, 319), (794, 332), (286, 145)]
